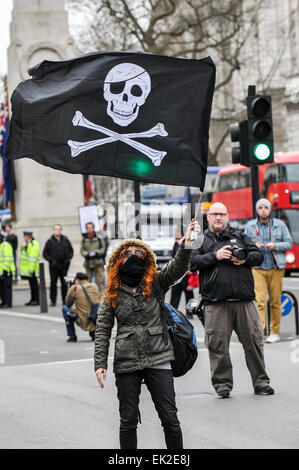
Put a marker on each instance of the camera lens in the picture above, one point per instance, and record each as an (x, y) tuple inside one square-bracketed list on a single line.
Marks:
[(239, 253)]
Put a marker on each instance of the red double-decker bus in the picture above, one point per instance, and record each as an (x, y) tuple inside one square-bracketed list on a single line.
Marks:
[(278, 182)]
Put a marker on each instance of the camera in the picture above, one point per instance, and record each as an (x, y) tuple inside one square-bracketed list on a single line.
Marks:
[(69, 281), (239, 253), (196, 307)]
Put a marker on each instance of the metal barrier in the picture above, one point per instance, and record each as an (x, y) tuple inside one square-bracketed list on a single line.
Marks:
[(295, 306), (42, 289)]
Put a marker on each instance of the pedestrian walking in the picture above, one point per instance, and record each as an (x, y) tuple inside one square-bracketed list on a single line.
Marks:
[(226, 283), (12, 238), (29, 265), (93, 249), (141, 354), (183, 284), (77, 306), (273, 238), (7, 271), (58, 251)]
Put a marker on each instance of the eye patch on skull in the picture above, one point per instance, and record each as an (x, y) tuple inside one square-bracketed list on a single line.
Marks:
[(126, 88), (117, 87)]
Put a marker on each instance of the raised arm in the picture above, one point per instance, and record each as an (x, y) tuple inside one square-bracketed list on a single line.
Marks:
[(179, 265)]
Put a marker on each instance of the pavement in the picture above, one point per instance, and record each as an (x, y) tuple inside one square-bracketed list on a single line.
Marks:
[(50, 398)]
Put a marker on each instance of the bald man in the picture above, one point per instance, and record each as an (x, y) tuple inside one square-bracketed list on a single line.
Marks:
[(224, 262)]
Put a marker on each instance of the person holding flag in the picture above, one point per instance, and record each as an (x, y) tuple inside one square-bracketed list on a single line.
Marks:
[(140, 351)]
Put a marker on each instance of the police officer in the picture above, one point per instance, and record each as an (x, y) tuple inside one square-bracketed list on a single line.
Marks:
[(224, 261), (7, 271), (29, 265)]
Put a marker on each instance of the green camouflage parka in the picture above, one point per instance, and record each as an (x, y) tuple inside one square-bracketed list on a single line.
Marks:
[(139, 341)]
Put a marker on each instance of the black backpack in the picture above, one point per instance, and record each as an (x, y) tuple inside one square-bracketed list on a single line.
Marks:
[(182, 335)]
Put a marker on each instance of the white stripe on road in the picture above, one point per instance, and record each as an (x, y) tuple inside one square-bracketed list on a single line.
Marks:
[(46, 363), (73, 361), (32, 316)]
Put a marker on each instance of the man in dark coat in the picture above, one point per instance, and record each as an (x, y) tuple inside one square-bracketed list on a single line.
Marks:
[(59, 252), (224, 262), (13, 240)]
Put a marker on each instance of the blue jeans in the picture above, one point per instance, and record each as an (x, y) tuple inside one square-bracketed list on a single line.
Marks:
[(69, 322)]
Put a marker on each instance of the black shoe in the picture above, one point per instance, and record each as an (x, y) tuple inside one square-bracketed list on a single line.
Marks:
[(224, 394), (28, 303), (52, 304), (72, 339), (92, 335), (34, 302), (5, 306), (267, 390)]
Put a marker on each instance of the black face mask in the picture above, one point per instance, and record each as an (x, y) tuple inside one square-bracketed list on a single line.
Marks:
[(132, 271)]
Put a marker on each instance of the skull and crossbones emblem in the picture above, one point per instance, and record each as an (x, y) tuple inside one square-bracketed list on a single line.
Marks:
[(126, 88)]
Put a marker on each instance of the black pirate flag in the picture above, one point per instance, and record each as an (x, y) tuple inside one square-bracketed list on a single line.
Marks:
[(126, 114)]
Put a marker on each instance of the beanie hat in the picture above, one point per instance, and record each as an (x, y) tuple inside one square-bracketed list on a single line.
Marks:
[(263, 202)]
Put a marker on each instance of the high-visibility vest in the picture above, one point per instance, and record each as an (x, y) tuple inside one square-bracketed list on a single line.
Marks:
[(30, 256), (6, 259)]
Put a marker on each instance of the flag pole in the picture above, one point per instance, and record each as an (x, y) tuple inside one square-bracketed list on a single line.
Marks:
[(137, 200), (194, 234), (198, 205)]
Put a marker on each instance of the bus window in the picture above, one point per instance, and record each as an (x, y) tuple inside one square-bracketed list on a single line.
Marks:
[(235, 180), (290, 172)]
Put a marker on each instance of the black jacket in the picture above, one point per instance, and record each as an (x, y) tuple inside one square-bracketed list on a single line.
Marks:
[(221, 280), (13, 240), (58, 252)]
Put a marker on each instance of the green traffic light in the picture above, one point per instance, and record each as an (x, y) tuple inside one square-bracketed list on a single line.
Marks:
[(262, 152)]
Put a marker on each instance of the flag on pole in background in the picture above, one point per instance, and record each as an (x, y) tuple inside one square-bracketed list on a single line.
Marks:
[(6, 184), (87, 189), (131, 115)]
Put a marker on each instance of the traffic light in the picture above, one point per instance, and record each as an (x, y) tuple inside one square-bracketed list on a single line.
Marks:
[(260, 129), (239, 133)]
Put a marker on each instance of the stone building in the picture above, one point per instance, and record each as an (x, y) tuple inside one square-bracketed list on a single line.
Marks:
[(39, 31)]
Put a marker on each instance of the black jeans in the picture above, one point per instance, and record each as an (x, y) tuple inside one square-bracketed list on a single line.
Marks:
[(34, 288), (56, 273), (6, 289), (161, 387)]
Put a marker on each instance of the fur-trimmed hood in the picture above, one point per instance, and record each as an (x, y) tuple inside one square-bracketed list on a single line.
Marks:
[(150, 255)]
